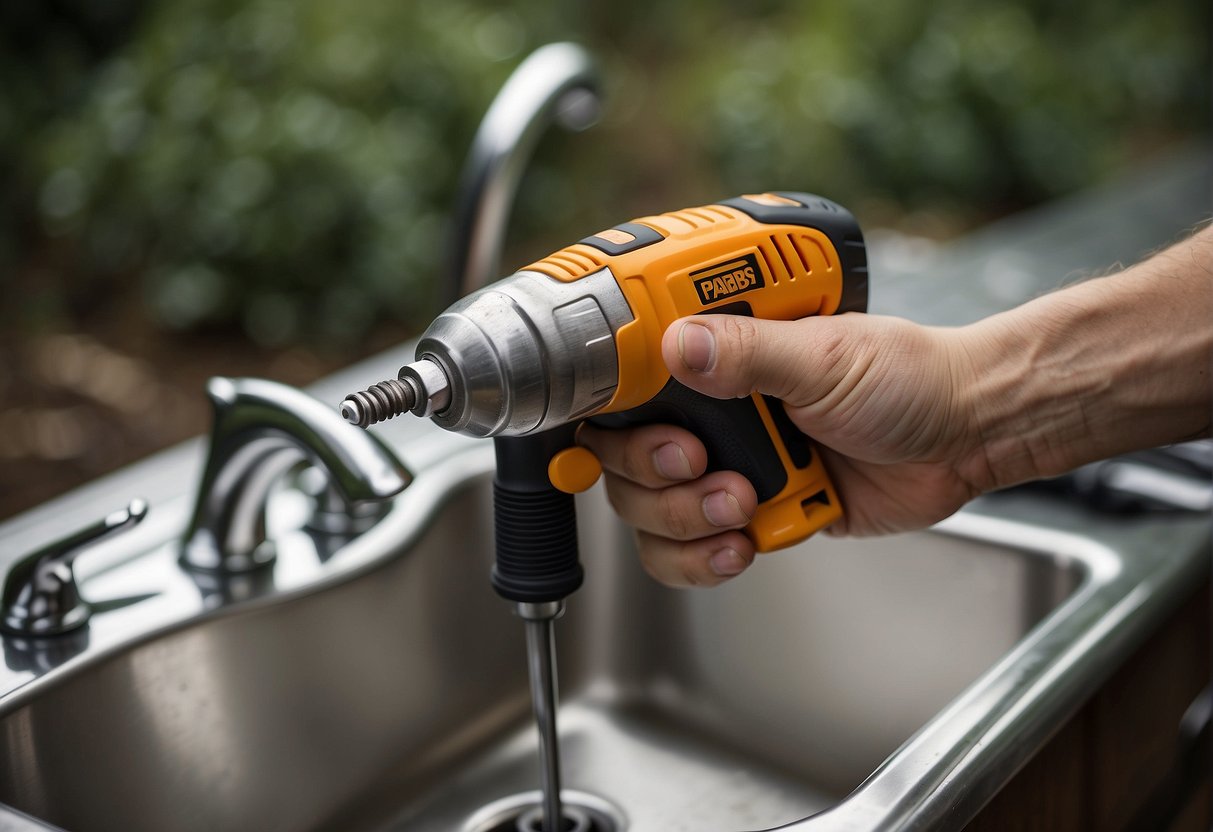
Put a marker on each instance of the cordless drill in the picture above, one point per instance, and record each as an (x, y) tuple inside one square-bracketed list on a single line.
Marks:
[(577, 337)]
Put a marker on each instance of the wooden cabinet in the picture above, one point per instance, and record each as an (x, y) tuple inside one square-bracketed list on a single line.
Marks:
[(1120, 758)]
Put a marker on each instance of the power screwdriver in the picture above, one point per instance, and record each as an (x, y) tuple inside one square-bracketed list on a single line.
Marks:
[(577, 335)]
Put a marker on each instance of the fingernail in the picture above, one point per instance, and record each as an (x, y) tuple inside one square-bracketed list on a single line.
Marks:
[(672, 463), (726, 563), (722, 509), (697, 347)]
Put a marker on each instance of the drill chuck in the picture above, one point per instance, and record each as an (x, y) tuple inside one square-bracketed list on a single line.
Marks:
[(528, 353), (518, 357)]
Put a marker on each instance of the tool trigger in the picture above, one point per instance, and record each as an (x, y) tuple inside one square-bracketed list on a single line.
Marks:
[(574, 469)]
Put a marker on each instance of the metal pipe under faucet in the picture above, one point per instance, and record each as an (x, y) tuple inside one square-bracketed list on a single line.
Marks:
[(541, 667)]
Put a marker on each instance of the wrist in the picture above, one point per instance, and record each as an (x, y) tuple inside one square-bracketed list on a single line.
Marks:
[(993, 401), (1021, 401), (1101, 368)]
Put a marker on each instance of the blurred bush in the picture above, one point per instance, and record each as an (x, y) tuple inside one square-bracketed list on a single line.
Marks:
[(975, 106), (285, 166)]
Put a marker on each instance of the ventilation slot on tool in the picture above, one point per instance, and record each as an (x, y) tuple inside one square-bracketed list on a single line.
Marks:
[(772, 262), (786, 257), (792, 261), (717, 212), (687, 218), (698, 217), (681, 222), (568, 264), (701, 215), (552, 267), (821, 498), (797, 254), (806, 248)]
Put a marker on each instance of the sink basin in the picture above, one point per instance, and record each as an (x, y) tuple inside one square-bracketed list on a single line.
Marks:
[(396, 697), (873, 684), (748, 706)]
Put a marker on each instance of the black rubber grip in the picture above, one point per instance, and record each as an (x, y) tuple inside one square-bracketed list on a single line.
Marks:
[(535, 524), (732, 431)]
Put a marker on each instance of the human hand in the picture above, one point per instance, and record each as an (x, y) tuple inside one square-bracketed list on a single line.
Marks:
[(881, 397), (913, 421)]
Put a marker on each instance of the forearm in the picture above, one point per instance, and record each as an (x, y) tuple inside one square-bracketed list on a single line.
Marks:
[(1108, 366)]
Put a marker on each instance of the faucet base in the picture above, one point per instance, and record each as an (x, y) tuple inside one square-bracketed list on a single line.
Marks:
[(202, 555)]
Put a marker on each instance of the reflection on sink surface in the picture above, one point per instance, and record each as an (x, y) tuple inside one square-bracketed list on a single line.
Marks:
[(398, 699), (771, 698)]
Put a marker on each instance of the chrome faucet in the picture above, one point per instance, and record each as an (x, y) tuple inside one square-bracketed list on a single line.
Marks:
[(557, 83), (261, 430)]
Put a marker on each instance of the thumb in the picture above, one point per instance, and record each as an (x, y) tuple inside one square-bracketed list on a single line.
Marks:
[(729, 356)]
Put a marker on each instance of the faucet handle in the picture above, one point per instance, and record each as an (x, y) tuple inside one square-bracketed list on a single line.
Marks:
[(40, 593)]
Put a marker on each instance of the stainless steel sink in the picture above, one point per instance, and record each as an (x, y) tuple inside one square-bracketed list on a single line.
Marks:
[(878, 684), (888, 681)]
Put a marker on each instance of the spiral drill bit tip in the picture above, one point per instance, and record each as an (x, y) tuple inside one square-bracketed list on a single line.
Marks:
[(351, 411), (378, 403)]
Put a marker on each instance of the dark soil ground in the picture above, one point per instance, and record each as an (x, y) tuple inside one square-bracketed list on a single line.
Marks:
[(75, 405)]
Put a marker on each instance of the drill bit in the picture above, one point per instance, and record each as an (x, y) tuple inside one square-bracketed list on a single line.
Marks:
[(421, 389), (378, 403), (541, 664)]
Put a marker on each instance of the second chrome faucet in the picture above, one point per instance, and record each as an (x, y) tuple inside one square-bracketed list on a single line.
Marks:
[(557, 84)]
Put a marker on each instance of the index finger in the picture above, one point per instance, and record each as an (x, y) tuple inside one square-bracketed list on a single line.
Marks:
[(653, 456)]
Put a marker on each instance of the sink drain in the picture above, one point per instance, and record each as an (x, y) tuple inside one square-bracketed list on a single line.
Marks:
[(523, 813)]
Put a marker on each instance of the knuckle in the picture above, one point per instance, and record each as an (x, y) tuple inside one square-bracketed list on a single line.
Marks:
[(671, 514), (740, 339), (689, 567), (630, 463), (829, 343), (614, 498), (653, 552), (689, 576)]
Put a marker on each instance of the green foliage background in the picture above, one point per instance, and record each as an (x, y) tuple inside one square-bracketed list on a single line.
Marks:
[(287, 166)]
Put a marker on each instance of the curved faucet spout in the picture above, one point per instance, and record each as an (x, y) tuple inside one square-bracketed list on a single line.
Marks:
[(261, 430), (556, 83)]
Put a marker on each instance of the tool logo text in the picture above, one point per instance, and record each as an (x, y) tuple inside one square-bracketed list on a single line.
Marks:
[(724, 280)]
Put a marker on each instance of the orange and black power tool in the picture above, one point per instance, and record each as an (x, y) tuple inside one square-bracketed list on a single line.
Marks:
[(577, 336)]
